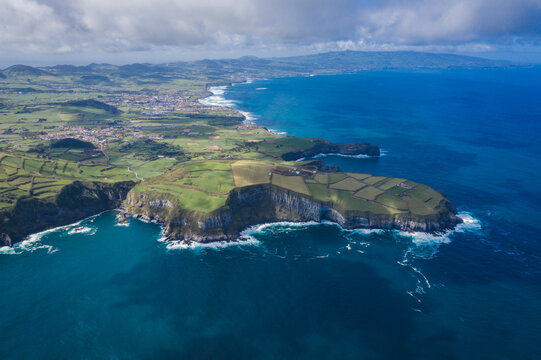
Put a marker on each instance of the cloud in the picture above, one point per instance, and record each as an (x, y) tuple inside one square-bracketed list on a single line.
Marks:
[(120, 26), (428, 22)]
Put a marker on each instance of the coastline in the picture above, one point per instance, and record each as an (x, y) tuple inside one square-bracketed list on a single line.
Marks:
[(361, 224), (27, 244), (216, 99), (246, 237)]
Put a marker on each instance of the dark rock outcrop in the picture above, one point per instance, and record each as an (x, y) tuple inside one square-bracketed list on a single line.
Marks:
[(75, 202), (266, 203), (326, 147), (321, 166)]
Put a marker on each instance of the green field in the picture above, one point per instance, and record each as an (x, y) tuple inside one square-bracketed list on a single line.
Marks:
[(136, 125), (295, 183), (25, 175), (246, 172)]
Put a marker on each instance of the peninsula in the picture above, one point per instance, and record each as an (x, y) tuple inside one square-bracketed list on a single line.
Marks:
[(75, 141)]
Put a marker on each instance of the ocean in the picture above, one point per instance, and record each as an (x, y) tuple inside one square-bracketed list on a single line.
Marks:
[(314, 291)]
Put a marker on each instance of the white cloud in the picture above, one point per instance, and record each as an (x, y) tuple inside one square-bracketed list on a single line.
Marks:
[(225, 26)]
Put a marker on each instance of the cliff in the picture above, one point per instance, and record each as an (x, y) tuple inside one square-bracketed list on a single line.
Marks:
[(265, 203), (75, 201)]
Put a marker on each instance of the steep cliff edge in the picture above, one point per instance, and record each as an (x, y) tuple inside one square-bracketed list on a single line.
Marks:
[(265, 203), (75, 201)]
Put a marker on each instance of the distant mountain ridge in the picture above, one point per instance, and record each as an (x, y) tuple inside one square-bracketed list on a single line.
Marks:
[(23, 70), (251, 66)]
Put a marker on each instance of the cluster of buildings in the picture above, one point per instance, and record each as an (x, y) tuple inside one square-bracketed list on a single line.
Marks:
[(154, 103), (93, 135), (97, 135)]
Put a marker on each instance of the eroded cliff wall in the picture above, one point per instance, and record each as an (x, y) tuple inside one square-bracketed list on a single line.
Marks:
[(76, 201), (267, 203)]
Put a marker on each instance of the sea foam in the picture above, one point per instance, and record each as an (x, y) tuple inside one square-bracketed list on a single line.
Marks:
[(469, 224), (212, 245), (360, 156), (33, 241), (426, 246), (217, 99)]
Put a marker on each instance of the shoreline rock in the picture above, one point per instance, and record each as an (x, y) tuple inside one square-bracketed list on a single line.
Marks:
[(266, 203), (326, 147), (75, 202)]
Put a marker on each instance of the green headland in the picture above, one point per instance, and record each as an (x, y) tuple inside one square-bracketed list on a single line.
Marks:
[(75, 141)]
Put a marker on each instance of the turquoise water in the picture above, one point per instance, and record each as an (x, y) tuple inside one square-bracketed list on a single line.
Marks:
[(98, 290)]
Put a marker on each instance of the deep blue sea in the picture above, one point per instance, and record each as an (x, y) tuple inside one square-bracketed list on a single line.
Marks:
[(96, 290)]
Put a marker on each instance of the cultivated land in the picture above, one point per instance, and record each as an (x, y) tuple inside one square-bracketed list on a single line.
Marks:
[(136, 136)]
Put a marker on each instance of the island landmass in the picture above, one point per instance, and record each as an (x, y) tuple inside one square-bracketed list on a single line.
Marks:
[(76, 141)]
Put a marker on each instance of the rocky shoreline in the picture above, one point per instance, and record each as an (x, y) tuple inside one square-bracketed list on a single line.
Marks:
[(258, 204), (326, 147), (75, 202), (245, 207)]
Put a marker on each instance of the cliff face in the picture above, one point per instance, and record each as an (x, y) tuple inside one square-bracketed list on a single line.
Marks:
[(266, 203), (244, 207), (75, 202)]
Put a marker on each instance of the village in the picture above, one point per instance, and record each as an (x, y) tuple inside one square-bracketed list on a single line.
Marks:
[(97, 135), (153, 103)]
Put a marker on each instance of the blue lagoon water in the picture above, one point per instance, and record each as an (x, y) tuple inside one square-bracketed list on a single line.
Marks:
[(305, 291)]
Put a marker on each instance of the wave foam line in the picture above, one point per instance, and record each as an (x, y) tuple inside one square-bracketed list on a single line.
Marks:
[(280, 225), (360, 156), (81, 230), (32, 242), (217, 99), (213, 245), (426, 246), (469, 224), (291, 225), (277, 132)]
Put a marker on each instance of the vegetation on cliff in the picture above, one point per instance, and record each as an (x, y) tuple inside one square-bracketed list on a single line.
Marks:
[(78, 140), (218, 199)]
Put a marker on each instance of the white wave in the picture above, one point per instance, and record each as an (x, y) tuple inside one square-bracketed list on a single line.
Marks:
[(280, 226), (8, 250), (360, 156), (33, 241), (30, 244), (125, 223), (214, 245), (366, 231), (217, 99), (469, 224), (426, 246), (292, 226), (277, 132), (82, 230), (249, 117), (261, 88)]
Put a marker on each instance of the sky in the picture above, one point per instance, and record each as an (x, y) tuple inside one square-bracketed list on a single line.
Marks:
[(48, 32)]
